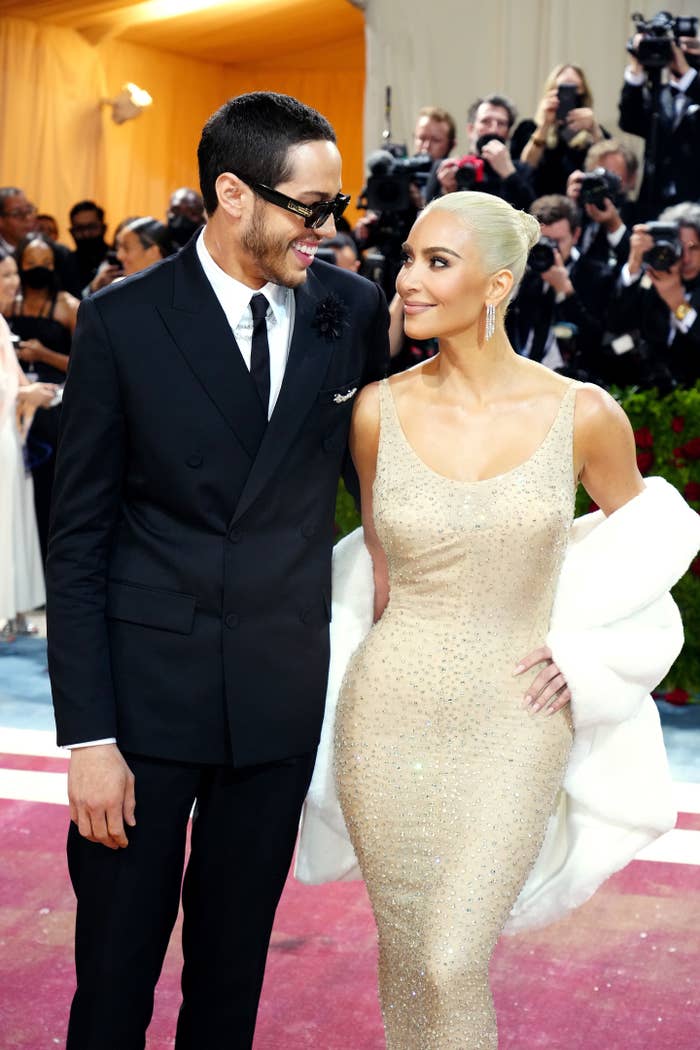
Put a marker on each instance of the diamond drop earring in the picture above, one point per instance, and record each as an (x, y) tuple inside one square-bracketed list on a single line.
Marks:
[(490, 320)]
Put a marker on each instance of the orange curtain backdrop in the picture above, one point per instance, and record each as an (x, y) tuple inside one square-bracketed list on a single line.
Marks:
[(59, 146), (51, 139)]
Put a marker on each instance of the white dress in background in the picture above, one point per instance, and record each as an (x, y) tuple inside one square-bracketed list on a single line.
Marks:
[(21, 570)]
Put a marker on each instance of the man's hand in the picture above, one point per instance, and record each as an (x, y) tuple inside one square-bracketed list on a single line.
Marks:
[(101, 794), (557, 277), (549, 691), (640, 243), (679, 64), (446, 175), (573, 185), (498, 156), (608, 216), (668, 285)]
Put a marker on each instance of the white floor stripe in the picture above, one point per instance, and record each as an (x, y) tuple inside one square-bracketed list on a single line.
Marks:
[(30, 786), (39, 742), (676, 847)]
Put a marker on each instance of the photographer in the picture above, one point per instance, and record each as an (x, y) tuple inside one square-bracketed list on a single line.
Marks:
[(602, 191), (558, 314), (658, 297), (489, 166), (556, 142), (435, 133), (672, 162)]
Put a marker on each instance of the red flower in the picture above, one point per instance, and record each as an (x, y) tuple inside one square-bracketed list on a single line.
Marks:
[(645, 461), (692, 490), (644, 437), (678, 697), (677, 424), (691, 449), (695, 567)]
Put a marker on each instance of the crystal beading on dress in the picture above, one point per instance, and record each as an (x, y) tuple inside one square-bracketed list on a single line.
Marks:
[(446, 782)]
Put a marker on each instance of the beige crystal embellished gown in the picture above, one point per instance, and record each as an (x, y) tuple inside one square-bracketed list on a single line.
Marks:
[(445, 781)]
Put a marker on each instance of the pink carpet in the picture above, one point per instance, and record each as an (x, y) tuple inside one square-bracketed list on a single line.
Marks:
[(623, 973)]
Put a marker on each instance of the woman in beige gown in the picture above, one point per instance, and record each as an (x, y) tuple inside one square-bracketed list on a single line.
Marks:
[(448, 756)]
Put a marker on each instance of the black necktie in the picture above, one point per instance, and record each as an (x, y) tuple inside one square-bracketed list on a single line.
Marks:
[(260, 351)]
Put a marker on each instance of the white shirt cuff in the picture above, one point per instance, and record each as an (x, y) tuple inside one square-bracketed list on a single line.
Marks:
[(635, 79), (628, 278), (684, 82), (91, 743), (615, 238)]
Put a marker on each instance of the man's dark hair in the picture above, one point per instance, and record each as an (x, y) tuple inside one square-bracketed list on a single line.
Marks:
[(8, 191), (86, 206), (494, 100), (250, 136), (553, 207)]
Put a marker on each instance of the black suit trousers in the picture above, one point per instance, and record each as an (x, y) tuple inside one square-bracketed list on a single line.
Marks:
[(243, 835)]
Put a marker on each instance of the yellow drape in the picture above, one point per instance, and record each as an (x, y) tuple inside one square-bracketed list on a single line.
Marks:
[(59, 146)]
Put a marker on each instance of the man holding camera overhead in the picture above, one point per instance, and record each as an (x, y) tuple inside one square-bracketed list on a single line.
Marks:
[(665, 115), (658, 296)]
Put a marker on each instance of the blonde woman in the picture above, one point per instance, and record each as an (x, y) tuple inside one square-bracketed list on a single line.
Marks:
[(454, 729), (553, 145)]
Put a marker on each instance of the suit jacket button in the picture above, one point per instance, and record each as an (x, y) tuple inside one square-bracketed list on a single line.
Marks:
[(308, 529), (234, 535), (195, 459), (231, 620)]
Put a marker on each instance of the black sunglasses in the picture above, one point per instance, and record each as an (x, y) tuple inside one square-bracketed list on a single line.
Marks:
[(314, 215)]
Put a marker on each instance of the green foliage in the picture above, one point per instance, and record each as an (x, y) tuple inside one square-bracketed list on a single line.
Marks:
[(667, 432), (346, 516)]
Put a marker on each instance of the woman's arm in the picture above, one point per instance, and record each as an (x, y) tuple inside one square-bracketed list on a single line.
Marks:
[(364, 445), (604, 450), (67, 310), (34, 350)]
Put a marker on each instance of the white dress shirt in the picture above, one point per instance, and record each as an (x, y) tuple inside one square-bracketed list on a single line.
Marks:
[(234, 298)]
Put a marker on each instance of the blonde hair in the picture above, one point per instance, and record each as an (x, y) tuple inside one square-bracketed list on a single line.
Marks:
[(503, 235), (582, 138)]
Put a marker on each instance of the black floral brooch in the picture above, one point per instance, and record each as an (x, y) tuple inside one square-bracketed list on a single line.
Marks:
[(331, 317)]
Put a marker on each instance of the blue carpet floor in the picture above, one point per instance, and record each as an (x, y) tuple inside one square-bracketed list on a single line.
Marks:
[(25, 703)]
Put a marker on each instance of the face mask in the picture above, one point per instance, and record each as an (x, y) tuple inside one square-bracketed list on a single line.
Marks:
[(90, 248), (181, 228), (37, 277)]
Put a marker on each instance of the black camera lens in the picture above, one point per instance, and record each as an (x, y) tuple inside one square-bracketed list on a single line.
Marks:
[(599, 185), (667, 248), (466, 177), (541, 256)]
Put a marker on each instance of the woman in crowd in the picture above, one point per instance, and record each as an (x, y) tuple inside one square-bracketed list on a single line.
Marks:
[(552, 146), (142, 242), (21, 573), (44, 319), (468, 465)]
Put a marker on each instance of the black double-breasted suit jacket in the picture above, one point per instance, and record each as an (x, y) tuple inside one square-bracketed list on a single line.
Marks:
[(189, 563)]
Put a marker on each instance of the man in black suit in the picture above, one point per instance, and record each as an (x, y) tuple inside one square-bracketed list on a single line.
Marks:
[(672, 168), (658, 311), (558, 315), (189, 575)]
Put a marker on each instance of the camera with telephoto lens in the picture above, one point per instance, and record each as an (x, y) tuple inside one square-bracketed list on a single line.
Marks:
[(600, 185), (654, 50), (667, 248), (541, 256), (388, 186)]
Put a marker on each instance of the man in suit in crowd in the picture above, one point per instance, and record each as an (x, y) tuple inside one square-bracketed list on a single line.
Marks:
[(605, 232), (489, 126), (659, 309), (558, 315), (189, 575), (672, 174)]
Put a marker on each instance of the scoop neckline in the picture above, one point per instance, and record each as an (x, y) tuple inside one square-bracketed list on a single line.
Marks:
[(493, 477)]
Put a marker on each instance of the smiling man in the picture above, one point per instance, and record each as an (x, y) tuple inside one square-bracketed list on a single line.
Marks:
[(189, 574)]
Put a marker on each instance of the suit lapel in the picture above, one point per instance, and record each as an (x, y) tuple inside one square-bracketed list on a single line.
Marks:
[(201, 332), (309, 355)]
